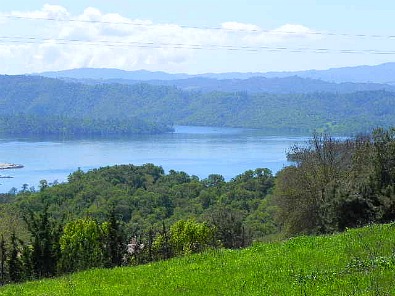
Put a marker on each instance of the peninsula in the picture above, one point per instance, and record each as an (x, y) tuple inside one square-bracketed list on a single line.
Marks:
[(5, 166)]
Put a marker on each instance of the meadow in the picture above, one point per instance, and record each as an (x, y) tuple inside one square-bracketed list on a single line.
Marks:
[(356, 262)]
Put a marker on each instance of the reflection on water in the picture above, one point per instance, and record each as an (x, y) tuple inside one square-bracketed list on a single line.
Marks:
[(198, 151)]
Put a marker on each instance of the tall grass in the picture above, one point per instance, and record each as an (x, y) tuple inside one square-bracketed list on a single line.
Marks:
[(356, 262)]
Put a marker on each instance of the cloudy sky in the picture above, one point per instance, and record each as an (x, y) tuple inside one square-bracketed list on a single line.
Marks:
[(194, 36)]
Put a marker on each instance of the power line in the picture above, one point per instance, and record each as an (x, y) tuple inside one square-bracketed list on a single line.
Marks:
[(141, 44), (252, 30)]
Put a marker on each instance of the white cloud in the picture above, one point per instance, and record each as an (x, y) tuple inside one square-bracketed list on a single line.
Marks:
[(293, 31), (48, 11), (96, 39), (240, 26), (283, 35)]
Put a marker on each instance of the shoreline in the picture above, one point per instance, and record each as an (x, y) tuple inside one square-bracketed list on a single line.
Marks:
[(6, 166)]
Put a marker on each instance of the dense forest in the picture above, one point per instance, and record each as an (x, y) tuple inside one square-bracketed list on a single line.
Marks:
[(275, 85), (130, 214), (157, 108), (64, 126)]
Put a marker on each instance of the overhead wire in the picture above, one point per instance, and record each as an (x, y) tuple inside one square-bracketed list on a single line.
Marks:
[(253, 30), (156, 44), (151, 44)]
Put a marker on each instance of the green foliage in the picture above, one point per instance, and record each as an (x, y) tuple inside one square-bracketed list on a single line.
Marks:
[(142, 200), (3, 259), (14, 262), (384, 152), (337, 184), (113, 241), (11, 221), (229, 229), (81, 245), (45, 234), (143, 197), (357, 262), (189, 236)]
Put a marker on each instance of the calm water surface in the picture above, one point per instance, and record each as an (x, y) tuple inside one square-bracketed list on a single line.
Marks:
[(198, 151)]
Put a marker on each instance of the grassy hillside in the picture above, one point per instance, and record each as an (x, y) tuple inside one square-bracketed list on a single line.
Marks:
[(356, 262)]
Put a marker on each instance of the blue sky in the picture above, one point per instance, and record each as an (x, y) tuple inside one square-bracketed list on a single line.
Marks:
[(177, 36)]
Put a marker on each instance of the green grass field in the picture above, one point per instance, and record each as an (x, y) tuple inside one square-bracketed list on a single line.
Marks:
[(356, 262)]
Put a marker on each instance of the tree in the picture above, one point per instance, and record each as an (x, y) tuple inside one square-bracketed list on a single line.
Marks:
[(114, 240), (14, 263), (307, 193), (214, 180), (185, 237), (337, 184), (384, 148), (45, 234), (229, 228), (81, 245), (3, 259), (43, 185)]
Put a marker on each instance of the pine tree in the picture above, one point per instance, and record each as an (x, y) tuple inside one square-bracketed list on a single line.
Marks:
[(45, 243), (3, 259), (14, 263), (114, 241)]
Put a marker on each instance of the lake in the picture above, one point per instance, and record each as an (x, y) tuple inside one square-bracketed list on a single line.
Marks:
[(197, 151)]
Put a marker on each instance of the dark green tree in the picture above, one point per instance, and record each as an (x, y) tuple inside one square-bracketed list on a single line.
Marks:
[(45, 234), (229, 228), (3, 260), (14, 263), (114, 240)]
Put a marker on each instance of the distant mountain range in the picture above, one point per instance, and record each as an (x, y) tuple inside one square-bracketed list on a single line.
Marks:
[(382, 74), (278, 82), (286, 85), (105, 73)]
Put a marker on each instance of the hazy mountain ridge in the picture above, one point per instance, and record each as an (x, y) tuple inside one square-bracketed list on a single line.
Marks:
[(284, 85), (111, 73), (383, 74)]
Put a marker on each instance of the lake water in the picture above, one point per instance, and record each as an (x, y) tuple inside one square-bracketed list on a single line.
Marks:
[(198, 151)]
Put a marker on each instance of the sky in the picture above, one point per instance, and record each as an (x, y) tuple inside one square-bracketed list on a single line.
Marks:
[(181, 36)]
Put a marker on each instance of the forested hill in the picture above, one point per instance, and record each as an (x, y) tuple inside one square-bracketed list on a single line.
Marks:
[(28, 96), (283, 85), (43, 106)]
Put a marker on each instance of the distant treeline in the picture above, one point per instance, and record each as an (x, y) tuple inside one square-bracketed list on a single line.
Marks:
[(285, 85), (36, 125), (167, 105)]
